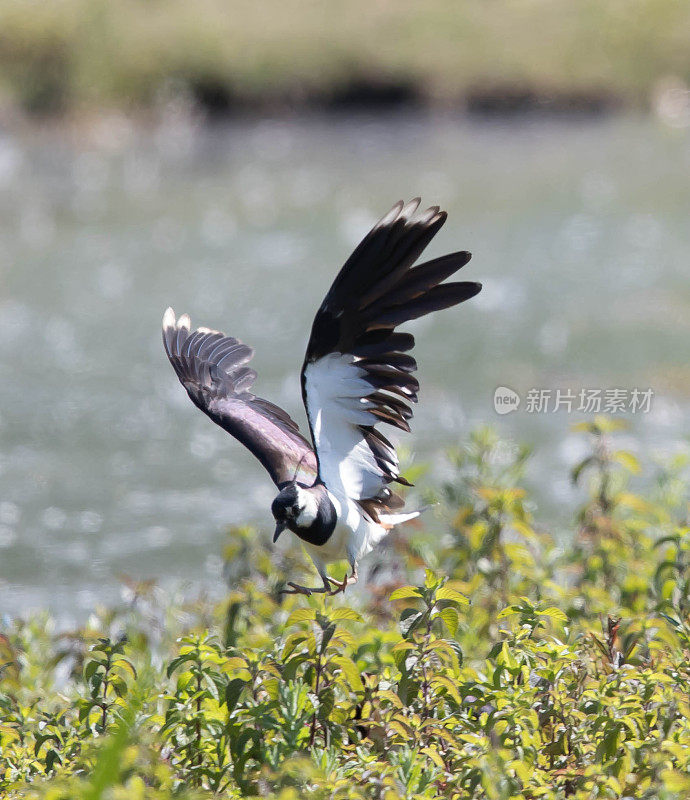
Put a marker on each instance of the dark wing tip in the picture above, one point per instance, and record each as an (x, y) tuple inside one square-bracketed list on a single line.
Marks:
[(447, 294), (205, 360), (390, 216), (212, 368), (407, 213), (476, 288)]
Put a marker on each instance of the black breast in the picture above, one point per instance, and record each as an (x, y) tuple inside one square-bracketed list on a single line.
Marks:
[(321, 529)]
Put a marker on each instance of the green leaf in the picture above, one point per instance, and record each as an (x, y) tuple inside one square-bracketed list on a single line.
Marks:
[(127, 664), (327, 635), (119, 686), (301, 615), (406, 593), (177, 662), (90, 669), (442, 682), (446, 593), (391, 697), (431, 581), (401, 728), (350, 673), (344, 613), (580, 468), (554, 613), (326, 704), (400, 653), (234, 663), (627, 460), (409, 621), (450, 619)]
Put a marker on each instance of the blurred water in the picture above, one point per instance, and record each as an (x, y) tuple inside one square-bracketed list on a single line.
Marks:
[(579, 232)]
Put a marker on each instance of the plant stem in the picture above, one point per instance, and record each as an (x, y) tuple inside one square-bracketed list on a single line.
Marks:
[(317, 680), (104, 707)]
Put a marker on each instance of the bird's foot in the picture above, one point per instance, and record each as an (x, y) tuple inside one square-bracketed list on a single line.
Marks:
[(340, 586), (296, 588)]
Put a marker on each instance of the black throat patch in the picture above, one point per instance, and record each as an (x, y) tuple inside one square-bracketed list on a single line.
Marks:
[(321, 529)]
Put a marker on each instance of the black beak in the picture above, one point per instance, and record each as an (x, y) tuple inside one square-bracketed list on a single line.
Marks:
[(280, 527)]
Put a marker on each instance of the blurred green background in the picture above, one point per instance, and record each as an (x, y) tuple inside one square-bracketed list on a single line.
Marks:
[(81, 55), (225, 158)]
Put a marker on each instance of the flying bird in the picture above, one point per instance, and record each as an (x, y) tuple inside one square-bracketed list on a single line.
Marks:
[(334, 491)]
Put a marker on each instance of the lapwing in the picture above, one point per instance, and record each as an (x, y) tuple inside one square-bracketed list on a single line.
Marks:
[(334, 491)]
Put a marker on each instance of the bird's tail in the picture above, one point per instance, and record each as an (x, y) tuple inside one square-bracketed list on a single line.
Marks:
[(390, 520)]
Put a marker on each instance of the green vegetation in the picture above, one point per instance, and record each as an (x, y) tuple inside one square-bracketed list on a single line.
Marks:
[(69, 55), (499, 666)]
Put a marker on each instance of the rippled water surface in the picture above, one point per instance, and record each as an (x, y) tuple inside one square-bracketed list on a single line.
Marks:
[(579, 232)]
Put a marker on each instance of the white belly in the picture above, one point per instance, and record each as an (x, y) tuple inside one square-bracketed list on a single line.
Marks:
[(354, 535)]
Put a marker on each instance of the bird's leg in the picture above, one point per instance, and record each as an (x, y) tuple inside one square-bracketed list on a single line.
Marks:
[(348, 579), (296, 588), (339, 585)]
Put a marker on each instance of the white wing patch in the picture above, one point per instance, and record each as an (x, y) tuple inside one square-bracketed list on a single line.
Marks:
[(336, 405)]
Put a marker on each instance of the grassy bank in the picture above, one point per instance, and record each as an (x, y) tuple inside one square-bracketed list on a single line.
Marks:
[(86, 54), (489, 664)]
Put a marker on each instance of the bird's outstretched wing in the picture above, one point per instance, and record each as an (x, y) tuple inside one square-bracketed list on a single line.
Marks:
[(357, 370), (212, 368)]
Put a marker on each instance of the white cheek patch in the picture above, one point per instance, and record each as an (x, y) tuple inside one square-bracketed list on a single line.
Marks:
[(310, 506)]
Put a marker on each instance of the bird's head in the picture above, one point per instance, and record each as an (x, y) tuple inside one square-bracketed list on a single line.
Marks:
[(294, 507)]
